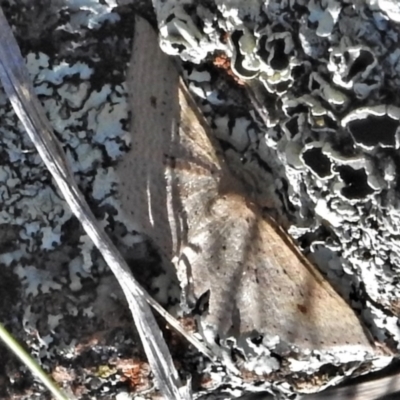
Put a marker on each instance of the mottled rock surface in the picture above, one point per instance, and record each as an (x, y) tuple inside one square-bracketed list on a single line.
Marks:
[(325, 156), (57, 295)]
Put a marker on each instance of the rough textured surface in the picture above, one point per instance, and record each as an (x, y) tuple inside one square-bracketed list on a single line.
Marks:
[(262, 308), (325, 72), (324, 76), (321, 68), (58, 297)]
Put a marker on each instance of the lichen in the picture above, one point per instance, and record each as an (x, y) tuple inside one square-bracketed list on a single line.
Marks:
[(324, 75), (77, 54)]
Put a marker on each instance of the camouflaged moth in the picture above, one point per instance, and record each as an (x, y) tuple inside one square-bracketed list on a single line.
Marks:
[(185, 198)]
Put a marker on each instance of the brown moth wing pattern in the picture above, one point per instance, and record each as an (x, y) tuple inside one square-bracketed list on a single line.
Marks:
[(149, 184), (258, 282), (184, 197)]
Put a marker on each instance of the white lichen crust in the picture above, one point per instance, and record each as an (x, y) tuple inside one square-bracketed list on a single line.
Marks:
[(57, 295), (325, 75)]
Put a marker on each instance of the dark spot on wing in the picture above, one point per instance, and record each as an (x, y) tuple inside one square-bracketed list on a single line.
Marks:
[(302, 309), (153, 101)]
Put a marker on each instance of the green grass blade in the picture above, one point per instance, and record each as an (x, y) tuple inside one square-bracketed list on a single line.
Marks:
[(30, 363)]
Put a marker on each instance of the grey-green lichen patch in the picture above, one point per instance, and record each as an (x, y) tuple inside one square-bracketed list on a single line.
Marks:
[(61, 299)]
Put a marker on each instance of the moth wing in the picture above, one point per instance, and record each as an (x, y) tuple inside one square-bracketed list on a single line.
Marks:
[(184, 198), (259, 284), (172, 165)]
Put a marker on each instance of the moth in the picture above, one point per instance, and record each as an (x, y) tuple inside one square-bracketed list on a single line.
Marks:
[(244, 277)]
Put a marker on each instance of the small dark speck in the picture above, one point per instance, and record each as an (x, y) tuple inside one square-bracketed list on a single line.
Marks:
[(153, 101), (256, 276), (302, 308), (257, 340)]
